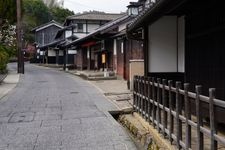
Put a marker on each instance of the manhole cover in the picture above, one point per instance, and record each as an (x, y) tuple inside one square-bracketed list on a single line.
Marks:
[(74, 92), (22, 117), (42, 81)]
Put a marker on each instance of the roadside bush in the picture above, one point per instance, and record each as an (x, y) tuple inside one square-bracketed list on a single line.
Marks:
[(4, 58)]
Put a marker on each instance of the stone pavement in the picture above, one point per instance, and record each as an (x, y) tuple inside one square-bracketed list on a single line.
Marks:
[(49, 109), (9, 82), (116, 91)]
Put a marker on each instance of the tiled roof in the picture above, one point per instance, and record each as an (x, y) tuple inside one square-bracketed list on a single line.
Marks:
[(104, 27), (95, 16), (61, 31), (43, 26), (155, 9), (52, 44), (140, 17)]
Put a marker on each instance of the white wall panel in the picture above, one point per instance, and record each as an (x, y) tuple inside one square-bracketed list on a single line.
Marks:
[(114, 47), (92, 27), (60, 52), (163, 45), (51, 53), (68, 33), (181, 44)]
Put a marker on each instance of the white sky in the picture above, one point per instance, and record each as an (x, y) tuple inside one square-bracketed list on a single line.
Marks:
[(110, 6)]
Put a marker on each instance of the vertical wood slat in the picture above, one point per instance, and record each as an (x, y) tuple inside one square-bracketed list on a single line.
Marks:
[(134, 95), (145, 99), (200, 139), (213, 130), (170, 83), (136, 90), (164, 110), (178, 110), (149, 97), (158, 99), (142, 94), (139, 97), (188, 116), (140, 88), (153, 98)]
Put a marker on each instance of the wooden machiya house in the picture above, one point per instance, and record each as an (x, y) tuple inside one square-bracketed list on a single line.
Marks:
[(184, 41), (78, 26), (107, 48), (45, 43), (86, 23)]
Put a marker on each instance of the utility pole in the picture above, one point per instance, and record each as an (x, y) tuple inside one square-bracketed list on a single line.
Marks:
[(20, 66)]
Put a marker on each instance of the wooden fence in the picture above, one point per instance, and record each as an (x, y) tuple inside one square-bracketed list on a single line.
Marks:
[(170, 110)]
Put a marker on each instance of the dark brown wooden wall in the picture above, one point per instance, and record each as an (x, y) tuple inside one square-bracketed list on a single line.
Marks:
[(205, 48), (120, 59), (49, 35), (132, 50)]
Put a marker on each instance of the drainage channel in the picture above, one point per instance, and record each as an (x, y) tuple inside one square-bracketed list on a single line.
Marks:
[(117, 114)]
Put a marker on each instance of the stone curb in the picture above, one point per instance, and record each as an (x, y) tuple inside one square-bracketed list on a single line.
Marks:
[(2, 77), (148, 137)]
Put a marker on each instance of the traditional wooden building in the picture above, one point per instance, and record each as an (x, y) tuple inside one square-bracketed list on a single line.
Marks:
[(108, 48), (78, 26), (88, 22), (184, 41), (44, 39)]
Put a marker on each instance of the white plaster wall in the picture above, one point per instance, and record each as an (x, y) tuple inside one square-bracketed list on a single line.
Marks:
[(51, 52), (114, 47), (60, 52), (68, 33), (181, 44), (84, 27), (80, 35), (163, 45), (92, 27), (72, 51)]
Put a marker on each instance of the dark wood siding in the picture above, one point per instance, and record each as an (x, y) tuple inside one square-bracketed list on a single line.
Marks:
[(205, 48), (48, 34)]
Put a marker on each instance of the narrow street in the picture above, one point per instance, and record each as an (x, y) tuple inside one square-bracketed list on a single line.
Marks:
[(52, 110)]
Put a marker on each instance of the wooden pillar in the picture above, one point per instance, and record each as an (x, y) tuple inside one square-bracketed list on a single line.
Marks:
[(145, 49), (64, 59), (57, 56), (46, 55), (88, 58)]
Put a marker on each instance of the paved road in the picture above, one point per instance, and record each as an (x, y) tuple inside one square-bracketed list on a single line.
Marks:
[(52, 110)]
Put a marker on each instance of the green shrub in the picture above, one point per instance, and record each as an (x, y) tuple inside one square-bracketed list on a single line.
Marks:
[(4, 58)]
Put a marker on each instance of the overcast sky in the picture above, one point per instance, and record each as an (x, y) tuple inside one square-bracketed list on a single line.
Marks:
[(110, 6)]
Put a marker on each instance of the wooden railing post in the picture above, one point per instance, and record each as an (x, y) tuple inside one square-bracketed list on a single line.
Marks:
[(158, 101), (171, 118), (213, 130), (200, 140), (139, 95), (178, 112), (149, 98), (153, 98), (188, 116), (164, 97), (142, 98), (145, 98), (134, 93)]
